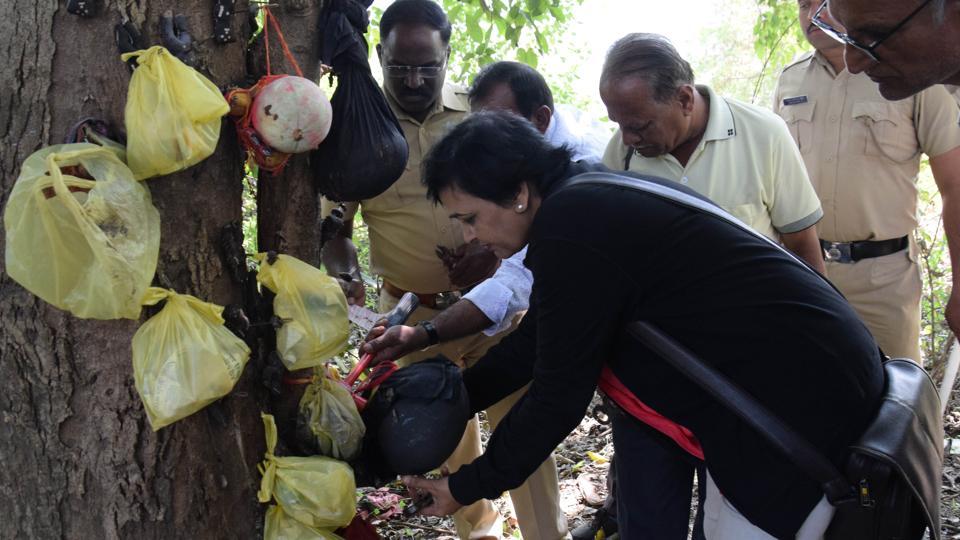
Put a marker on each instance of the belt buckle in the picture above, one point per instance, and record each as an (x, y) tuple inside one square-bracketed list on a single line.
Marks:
[(446, 299), (838, 252)]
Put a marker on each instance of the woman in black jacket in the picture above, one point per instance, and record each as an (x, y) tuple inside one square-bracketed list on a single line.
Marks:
[(603, 256)]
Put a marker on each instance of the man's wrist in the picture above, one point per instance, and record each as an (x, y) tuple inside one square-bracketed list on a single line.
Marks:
[(430, 331)]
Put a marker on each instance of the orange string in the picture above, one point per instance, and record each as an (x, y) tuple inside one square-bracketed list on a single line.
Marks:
[(267, 16)]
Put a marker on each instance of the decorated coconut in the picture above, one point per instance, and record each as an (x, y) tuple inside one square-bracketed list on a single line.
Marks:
[(292, 114)]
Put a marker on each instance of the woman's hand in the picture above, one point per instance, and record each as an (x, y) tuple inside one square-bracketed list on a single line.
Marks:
[(443, 502)]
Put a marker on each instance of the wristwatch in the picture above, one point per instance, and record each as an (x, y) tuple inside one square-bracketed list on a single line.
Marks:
[(432, 337)]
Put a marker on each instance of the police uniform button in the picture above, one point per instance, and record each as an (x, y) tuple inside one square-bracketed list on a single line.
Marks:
[(684, 180)]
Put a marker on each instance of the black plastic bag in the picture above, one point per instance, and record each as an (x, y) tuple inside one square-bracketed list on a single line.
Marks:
[(365, 152), (415, 420)]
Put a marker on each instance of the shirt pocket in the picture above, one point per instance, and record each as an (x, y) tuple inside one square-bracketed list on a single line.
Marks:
[(884, 130), (400, 193), (799, 119)]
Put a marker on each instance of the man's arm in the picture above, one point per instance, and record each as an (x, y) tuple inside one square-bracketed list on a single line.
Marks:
[(339, 255), (459, 320), (806, 245), (489, 308), (946, 173)]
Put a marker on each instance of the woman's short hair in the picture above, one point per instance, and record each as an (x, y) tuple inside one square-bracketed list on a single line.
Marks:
[(651, 57), (490, 155)]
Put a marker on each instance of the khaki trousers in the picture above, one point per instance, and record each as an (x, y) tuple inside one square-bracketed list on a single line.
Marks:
[(885, 292), (536, 502)]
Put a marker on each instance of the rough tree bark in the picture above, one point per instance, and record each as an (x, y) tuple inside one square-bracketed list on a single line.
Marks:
[(79, 459)]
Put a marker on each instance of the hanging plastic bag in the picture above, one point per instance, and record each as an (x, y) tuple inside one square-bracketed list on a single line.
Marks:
[(184, 358), (328, 422), (312, 307), (316, 491), (81, 233), (172, 114), (279, 526), (365, 151)]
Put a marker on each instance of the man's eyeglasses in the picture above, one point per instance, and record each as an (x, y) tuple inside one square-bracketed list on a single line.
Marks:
[(424, 72), (845, 38)]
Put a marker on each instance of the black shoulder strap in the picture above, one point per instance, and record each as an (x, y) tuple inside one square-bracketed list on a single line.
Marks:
[(803, 454)]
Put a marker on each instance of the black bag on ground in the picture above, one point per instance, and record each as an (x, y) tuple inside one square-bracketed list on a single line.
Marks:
[(890, 486), (415, 419), (365, 151)]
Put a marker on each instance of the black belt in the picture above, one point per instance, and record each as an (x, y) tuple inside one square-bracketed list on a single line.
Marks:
[(849, 252)]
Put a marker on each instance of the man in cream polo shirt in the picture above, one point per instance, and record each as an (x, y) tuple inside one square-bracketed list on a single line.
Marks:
[(739, 156)]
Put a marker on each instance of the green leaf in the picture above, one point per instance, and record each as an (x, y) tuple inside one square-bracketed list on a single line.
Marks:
[(542, 42)]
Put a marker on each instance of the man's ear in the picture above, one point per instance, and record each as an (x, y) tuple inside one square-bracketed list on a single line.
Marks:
[(541, 118), (685, 95), (380, 52)]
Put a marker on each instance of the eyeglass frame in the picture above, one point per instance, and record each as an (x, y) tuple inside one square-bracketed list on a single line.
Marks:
[(845, 38), (417, 70)]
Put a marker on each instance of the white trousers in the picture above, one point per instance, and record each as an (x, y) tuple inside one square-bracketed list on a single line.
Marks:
[(721, 521)]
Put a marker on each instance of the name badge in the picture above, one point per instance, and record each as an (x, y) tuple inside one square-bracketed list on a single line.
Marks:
[(794, 100)]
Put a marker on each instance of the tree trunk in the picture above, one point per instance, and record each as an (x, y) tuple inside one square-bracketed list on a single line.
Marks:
[(79, 459), (287, 203)]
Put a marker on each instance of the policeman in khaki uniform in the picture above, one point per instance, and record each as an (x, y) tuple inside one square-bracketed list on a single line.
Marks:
[(405, 231), (863, 155)]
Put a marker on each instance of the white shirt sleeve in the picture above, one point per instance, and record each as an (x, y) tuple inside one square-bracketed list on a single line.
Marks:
[(504, 294)]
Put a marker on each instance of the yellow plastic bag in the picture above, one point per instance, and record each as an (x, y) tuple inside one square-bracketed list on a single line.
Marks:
[(172, 115), (316, 491), (313, 308), (184, 358), (328, 422), (86, 246), (279, 526)]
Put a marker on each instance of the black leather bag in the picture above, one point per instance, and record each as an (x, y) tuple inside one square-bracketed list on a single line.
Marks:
[(896, 465), (890, 486)]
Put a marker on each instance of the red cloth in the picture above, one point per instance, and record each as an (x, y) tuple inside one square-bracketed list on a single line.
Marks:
[(615, 390)]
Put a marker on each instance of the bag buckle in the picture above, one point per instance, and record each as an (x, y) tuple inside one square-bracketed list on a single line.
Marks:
[(863, 491)]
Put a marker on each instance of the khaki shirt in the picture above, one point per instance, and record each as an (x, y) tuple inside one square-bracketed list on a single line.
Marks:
[(745, 162), (405, 227), (863, 152)]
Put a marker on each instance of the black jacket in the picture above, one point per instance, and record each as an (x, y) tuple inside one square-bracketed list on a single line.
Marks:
[(602, 256)]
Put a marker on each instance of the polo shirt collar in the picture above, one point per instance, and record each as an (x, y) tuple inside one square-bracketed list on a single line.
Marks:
[(449, 101), (720, 124)]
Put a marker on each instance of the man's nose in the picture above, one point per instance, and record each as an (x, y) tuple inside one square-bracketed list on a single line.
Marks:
[(856, 59), (413, 79), (630, 139)]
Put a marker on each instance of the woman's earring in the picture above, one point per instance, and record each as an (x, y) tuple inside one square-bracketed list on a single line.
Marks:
[(519, 208)]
